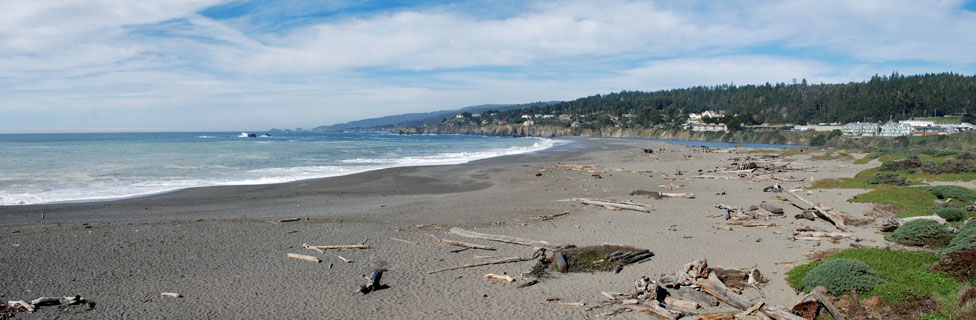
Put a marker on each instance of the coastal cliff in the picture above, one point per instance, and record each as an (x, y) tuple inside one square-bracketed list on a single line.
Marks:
[(772, 136)]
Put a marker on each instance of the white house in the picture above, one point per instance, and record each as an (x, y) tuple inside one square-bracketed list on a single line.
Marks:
[(697, 117), (709, 127), (894, 129), (860, 129)]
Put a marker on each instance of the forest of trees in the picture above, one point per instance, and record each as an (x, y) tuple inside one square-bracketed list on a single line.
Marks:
[(881, 98)]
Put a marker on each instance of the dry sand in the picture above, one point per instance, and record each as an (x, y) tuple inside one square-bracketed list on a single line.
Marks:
[(216, 247)]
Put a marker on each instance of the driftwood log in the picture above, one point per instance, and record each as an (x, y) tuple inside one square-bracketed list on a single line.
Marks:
[(839, 223), (713, 286), (507, 239), (303, 257)]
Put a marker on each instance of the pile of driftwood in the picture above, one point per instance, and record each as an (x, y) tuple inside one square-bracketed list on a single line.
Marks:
[(31, 306), (810, 211), (699, 291)]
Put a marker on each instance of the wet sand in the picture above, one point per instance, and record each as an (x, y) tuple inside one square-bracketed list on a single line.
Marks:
[(224, 250)]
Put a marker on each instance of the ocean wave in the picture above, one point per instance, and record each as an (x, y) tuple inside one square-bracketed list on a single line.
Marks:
[(82, 186)]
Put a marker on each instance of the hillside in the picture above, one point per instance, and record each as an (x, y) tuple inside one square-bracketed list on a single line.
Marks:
[(881, 98), (421, 119)]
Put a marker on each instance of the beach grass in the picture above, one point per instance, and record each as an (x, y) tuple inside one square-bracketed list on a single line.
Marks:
[(913, 201)]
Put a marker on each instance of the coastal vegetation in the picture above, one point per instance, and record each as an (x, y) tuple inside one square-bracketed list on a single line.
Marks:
[(882, 97)]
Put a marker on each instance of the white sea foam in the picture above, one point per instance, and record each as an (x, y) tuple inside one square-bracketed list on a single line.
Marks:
[(83, 186)]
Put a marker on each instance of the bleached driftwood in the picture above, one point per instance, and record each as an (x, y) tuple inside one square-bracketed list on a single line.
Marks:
[(823, 234), (713, 177), (687, 304), (304, 257), (499, 277), (607, 204), (306, 246), (20, 304), (344, 259), (350, 246), (404, 241), (506, 260), (463, 244), (506, 239), (839, 223), (713, 286), (171, 294), (658, 311), (678, 195), (894, 223)]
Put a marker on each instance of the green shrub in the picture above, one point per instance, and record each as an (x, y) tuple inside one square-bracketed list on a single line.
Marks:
[(887, 178), (922, 232), (906, 272), (950, 214), (839, 276), (968, 224), (964, 239), (912, 162), (929, 167), (957, 166), (953, 192)]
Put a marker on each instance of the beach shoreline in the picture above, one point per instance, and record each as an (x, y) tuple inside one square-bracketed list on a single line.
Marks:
[(223, 248)]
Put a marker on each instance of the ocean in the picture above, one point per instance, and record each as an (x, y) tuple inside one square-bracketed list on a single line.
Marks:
[(52, 168)]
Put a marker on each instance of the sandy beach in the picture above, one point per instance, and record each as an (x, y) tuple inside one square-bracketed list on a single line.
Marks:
[(223, 249)]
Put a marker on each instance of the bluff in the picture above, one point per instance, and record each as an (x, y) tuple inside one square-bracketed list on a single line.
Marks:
[(745, 136)]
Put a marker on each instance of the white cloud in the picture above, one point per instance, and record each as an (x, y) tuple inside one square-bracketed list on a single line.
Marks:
[(157, 64)]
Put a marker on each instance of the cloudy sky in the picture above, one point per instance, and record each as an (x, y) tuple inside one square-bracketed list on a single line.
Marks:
[(192, 65)]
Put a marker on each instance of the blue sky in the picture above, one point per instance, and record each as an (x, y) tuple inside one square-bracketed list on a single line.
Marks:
[(193, 65)]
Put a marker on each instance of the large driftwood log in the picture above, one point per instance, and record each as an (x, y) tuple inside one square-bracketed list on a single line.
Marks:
[(463, 244), (626, 206), (656, 310), (716, 288), (506, 239), (823, 213), (894, 223), (778, 313), (697, 296), (506, 260)]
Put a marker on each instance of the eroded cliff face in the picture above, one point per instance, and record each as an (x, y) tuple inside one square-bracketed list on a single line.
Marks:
[(772, 137)]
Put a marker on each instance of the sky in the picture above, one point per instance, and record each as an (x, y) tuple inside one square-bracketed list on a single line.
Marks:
[(212, 65)]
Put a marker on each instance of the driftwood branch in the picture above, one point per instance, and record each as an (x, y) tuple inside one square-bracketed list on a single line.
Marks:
[(306, 246), (499, 277), (463, 244), (626, 206), (351, 246), (506, 260), (506, 239)]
